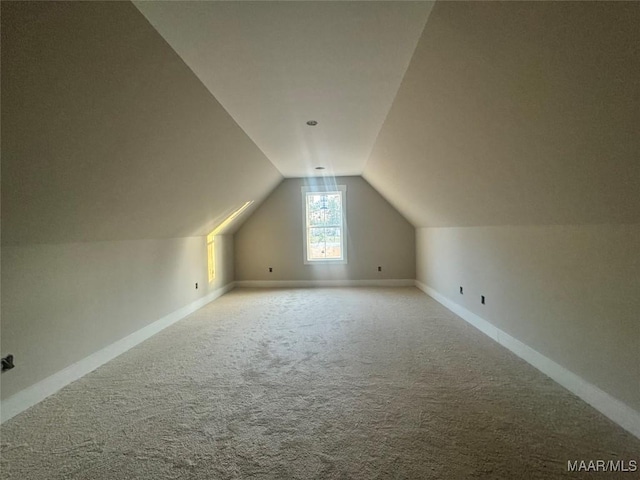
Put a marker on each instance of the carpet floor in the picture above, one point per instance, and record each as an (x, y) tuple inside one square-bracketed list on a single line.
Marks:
[(344, 383)]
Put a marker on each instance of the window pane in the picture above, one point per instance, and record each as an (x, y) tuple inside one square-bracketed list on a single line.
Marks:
[(332, 242), (334, 209), (316, 248), (324, 209), (314, 213), (317, 218)]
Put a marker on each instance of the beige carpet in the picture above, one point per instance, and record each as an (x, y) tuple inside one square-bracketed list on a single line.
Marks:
[(359, 383)]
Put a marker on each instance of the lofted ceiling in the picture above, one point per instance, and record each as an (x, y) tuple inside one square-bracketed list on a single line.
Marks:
[(161, 119), (102, 141), (459, 113), (275, 65), (517, 113)]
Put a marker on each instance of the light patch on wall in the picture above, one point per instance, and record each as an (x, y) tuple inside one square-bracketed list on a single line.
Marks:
[(211, 256), (211, 244)]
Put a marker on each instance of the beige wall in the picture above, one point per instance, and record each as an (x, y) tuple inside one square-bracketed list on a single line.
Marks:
[(61, 303), (569, 292), (516, 113), (513, 117), (108, 135), (116, 161), (377, 235)]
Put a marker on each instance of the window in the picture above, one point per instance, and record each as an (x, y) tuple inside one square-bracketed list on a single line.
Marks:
[(324, 224)]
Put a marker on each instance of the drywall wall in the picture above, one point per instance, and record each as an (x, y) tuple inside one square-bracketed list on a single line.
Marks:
[(377, 236), (516, 113), (515, 129), (63, 302), (108, 135), (116, 162), (569, 292)]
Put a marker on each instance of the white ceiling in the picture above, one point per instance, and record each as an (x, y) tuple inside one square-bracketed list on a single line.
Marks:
[(517, 113), (107, 142), (275, 65)]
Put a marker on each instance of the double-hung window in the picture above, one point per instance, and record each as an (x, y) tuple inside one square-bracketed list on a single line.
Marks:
[(324, 224)]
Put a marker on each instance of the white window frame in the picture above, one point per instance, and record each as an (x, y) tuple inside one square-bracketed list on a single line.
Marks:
[(342, 189)]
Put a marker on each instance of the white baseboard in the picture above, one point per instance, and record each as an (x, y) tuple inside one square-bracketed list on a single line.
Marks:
[(28, 397), (391, 282), (614, 409)]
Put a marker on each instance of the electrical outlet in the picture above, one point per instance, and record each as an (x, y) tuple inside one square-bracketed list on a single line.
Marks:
[(270, 269), (379, 268), (196, 285), (461, 291), (482, 300), (7, 363)]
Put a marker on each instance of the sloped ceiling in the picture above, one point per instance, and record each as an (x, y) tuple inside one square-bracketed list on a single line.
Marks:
[(516, 113), (275, 65), (509, 112), (108, 135)]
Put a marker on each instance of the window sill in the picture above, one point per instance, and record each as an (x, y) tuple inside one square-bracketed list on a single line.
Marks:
[(325, 262)]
